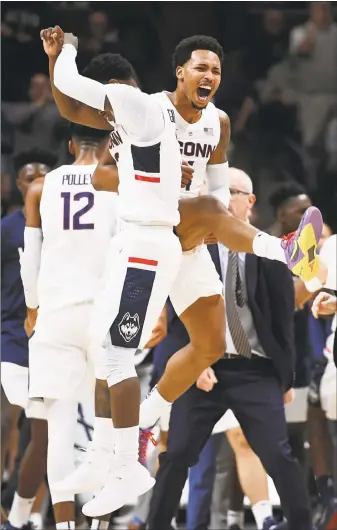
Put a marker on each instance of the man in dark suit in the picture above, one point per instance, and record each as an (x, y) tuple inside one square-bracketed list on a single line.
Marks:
[(252, 379)]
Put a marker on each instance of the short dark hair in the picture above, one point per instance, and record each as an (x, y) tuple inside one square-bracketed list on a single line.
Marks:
[(108, 66), (82, 133), (34, 156), (184, 49), (284, 192)]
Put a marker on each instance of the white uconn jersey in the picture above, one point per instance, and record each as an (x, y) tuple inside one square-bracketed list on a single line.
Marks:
[(149, 173), (197, 142), (77, 225)]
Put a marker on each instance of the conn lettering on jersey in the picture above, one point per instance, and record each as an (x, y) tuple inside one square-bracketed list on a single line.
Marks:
[(79, 179), (196, 149), (115, 139)]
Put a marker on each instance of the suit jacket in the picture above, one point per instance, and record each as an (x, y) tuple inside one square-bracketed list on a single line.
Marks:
[(270, 292)]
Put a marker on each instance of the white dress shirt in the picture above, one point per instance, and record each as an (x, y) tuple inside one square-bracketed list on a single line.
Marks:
[(244, 312)]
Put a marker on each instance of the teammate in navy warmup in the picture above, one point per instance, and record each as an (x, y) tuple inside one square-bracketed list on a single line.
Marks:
[(14, 345)]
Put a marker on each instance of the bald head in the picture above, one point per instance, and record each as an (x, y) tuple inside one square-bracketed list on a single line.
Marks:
[(238, 179), (242, 197)]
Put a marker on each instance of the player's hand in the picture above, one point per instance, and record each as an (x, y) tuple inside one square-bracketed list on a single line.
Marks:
[(324, 304), (30, 321), (207, 380), (288, 397), (210, 240), (186, 174), (70, 38), (159, 332), (52, 39)]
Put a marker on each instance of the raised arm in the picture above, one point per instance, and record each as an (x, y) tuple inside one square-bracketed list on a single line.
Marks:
[(140, 114), (217, 168), (69, 108)]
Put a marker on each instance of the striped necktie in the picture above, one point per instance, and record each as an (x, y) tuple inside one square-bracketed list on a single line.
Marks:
[(235, 298)]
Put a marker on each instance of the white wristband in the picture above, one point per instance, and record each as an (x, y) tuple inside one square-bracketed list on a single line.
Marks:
[(313, 285)]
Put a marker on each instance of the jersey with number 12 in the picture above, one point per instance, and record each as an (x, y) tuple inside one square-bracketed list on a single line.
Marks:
[(77, 225)]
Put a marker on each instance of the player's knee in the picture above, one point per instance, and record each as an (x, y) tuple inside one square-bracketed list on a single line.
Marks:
[(215, 348), (120, 365), (211, 205), (238, 440)]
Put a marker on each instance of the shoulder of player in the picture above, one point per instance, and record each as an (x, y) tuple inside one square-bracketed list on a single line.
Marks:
[(225, 126), (224, 120)]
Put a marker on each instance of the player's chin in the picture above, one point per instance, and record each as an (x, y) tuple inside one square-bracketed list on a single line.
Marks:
[(200, 103)]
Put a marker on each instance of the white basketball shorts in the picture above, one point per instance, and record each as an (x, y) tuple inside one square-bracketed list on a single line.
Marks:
[(197, 278), (142, 264), (14, 380), (60, 366), (226, 423)]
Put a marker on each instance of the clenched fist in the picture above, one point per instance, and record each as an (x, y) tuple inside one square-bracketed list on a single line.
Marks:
[(53, 40)]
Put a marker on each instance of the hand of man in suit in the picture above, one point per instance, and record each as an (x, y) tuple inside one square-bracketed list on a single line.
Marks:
[(207, 380), (288, 397)]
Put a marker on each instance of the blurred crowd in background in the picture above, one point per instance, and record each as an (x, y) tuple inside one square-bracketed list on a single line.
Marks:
[(278, 88), (279, 91)]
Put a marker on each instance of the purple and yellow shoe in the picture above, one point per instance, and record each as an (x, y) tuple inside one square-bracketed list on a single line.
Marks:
[(300, 247), (145, 437)]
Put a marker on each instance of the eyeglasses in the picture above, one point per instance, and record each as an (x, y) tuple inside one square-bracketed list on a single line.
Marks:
[(238, 192)]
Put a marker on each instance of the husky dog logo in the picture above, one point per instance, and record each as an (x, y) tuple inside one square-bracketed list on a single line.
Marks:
[(129, 326)]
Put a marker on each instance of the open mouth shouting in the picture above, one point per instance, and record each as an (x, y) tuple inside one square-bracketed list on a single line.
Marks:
[(204, 92)]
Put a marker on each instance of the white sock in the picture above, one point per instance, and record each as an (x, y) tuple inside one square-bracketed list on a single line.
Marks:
[(261, 510), (98, 524), (20, 511), (235, 518), (127, 444), (103, 437), (152, 408), (65, 525), (37, 519), (267, 246)]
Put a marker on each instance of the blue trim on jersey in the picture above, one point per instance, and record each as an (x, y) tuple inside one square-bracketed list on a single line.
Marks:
[(126, 330)]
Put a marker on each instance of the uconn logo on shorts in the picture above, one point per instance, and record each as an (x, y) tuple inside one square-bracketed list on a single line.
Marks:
[(129, 326)]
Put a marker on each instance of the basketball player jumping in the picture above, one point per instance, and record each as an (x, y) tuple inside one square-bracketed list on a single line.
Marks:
[(198, 62)]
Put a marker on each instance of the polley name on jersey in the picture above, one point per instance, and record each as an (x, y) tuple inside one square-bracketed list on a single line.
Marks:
[(73, 179)]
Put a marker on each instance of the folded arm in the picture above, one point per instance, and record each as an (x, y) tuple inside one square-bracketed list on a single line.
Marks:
[(140, 114)]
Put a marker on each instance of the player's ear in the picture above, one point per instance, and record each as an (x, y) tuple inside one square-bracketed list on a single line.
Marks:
[(71, 147), (180, 72)]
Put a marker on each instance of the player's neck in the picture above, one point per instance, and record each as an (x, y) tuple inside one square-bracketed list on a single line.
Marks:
[(184, 107), (86, 156)]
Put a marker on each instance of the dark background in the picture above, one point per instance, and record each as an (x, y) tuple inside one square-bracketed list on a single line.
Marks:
[(267, 140)]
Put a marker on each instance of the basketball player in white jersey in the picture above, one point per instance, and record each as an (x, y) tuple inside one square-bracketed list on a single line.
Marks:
[(143, 260), (199, 215), (68, 228)]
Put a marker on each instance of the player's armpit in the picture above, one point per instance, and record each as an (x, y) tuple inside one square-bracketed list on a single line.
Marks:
[(105, 176)]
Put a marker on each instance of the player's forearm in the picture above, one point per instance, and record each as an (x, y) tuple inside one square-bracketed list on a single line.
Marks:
[(105, 178), (218, 182), (30, 265), (67, 106), (68, 81)]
